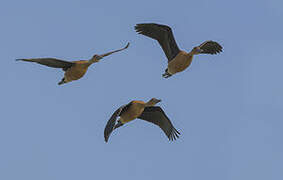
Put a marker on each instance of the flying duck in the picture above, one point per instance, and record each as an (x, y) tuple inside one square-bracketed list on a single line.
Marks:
[(178, 60), (142, 110), (74, 70)]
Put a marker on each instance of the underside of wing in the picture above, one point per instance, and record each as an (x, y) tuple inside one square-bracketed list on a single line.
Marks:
[(112, 121), (50, 62), (210, 47), (157, 116), (163, 34)]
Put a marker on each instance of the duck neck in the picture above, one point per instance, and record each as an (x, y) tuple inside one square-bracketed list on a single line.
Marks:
[(150, 103), (191, 54), (91, 61)]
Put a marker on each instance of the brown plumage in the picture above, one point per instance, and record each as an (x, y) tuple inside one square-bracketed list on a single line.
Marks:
[(74, 70), (177, 60), (141, 110)]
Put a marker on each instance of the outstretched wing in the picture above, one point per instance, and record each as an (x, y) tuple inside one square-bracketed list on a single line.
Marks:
[(112, 121), (163, 34), (157, 116), (107, 54), (210, 47), (50, 62)]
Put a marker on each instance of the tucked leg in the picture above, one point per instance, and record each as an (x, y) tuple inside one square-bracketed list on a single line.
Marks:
[(166, 74), (62, 81)]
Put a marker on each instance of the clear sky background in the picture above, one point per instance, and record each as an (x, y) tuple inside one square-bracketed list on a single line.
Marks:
[(228, 107)]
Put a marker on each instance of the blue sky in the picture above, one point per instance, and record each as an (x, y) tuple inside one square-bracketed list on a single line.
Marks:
[(228, 107)]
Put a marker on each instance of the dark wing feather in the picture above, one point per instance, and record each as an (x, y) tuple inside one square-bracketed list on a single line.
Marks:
[(210, 47), (112, 121), (107, 54), (163, 34), (157, 116), (50, 62)]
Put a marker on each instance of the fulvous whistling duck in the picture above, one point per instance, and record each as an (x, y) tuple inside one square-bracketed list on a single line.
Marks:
[(74, 70), (143, 110), (177, 60)]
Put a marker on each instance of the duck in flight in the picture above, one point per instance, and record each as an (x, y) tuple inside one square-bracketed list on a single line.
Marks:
[(74, 70), (142, 110), (178, 60)]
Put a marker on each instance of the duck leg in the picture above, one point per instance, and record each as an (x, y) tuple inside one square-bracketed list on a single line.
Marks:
[(62, 82), (166, 74)]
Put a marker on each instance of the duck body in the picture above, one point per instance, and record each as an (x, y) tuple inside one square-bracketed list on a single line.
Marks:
[(74, 70), (141, 110), (178, 60), (181, 62), (132, 112), (77, 71)]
